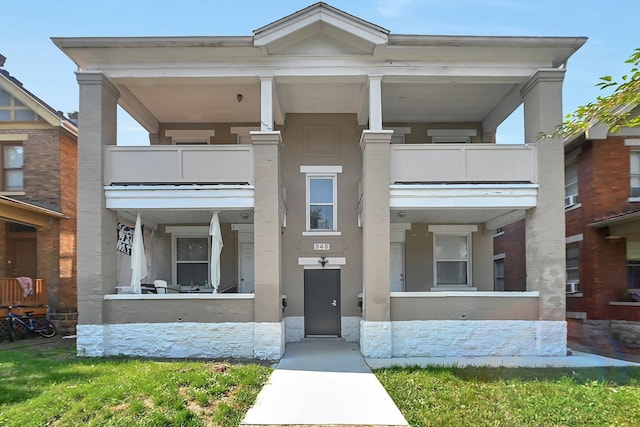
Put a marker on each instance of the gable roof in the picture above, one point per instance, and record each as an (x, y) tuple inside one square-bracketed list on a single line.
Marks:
[(320, 17), (14, 87)]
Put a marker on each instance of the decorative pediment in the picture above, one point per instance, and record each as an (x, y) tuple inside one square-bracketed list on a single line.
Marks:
[(18, 105), (320, 30)]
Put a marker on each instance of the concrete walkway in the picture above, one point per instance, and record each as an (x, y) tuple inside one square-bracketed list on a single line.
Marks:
[(323, 382), (327, 382)]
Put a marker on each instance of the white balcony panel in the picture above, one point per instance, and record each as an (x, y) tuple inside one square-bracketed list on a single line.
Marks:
[(179, 164), (463, 163), (482, 196), (195, 197)]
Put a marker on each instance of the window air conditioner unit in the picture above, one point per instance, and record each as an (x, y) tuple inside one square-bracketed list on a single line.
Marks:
[(572, 287), (570, 200)]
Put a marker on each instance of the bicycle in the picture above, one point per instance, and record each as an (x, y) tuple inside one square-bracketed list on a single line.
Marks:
[(32, 324)]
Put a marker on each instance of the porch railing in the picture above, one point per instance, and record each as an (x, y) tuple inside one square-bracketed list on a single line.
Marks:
[(179, 164), (11, 293), (463, 163)]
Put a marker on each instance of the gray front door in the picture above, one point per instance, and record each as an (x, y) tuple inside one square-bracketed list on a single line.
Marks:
[(322, 302)]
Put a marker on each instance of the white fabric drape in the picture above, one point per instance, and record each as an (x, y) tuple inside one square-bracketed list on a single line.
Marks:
[(216, 249)]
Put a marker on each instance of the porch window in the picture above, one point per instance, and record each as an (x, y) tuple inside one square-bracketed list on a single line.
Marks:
[(12, 160), (635, 173), (192, 261), (452, 259), (321, 198)]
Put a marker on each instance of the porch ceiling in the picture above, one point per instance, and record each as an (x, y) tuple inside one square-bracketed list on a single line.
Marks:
[(155, 217), (216, 99), (450, 216)]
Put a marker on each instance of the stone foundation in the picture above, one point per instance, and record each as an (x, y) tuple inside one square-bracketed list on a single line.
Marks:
[(183, 340), (610, 333)]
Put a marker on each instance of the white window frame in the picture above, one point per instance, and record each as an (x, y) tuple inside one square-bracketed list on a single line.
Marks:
[(451, 136), (186, 232), (4, 170), (573, 241), (571, 197), (190, 136), (453, 231), (634, 144), (321, 172)]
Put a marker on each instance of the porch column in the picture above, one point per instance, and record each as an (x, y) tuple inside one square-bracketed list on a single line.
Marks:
[(375, 102), (266, 103), (545, 224), (269, 334), (96, 225), (375, 329)]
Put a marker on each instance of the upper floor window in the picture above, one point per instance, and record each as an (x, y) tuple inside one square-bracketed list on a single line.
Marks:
[(498, 274), (634, 172), (12, 110), (11, 160), (571, 184), (321, 198)]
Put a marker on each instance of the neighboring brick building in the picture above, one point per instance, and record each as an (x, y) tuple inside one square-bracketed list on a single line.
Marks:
[(602, 199), (38, 182)]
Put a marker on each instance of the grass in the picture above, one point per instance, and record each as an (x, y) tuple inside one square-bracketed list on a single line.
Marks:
[(52, 387), (515, 397)]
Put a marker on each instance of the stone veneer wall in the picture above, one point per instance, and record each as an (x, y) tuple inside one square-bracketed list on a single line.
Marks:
[(181, 340), (466, 338), (610, 333), (349, 326)]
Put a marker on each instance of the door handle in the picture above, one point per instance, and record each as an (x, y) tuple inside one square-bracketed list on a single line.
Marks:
[(334, 303)]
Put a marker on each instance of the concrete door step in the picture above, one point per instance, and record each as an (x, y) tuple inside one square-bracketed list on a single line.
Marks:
[(319, 338)]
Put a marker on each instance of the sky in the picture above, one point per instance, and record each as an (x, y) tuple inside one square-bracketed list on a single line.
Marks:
[(27, 26)]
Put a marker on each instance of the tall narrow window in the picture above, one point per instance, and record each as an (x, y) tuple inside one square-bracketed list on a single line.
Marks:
[(12, 160), (571, 184), (321, 198), (573, 267), (498, 274), (635, 173)]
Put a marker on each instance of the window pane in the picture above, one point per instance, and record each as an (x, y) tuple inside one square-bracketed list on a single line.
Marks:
[(571, 174), (573, 275), (13, 156), (321, 190), (193, 249), (5, 115), (321, 217), (15, 180), (18, 103), (451, 247), (24, 115), (635, 162), (452, 273), (192, 274), (633, 275), (5, 98)]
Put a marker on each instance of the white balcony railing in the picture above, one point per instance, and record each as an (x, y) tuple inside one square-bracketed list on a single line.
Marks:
[(179, 164), (463, 163)]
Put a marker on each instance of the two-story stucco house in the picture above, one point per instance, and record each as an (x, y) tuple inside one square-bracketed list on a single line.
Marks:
[(357, 181)]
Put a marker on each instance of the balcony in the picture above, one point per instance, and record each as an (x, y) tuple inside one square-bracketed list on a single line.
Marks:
[(12, 294), (179, 165), (463, 163)]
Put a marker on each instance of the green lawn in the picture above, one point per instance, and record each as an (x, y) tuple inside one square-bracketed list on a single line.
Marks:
[(515, 397), (49, 386), (55, 388)]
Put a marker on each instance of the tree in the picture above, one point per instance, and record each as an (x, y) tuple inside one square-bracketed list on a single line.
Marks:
[(615, 110)]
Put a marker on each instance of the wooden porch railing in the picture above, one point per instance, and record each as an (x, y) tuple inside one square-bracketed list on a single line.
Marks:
[(11, 293)]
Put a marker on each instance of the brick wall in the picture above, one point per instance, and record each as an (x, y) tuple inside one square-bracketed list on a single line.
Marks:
[(512, 244)]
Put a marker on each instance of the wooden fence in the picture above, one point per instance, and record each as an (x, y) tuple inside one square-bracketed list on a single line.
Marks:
[(11, 293)]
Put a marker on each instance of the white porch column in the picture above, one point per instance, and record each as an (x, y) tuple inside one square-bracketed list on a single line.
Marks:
[(375, 102), (96, 225), (545, 224), (267, 244), (266, 103), (375, 329)]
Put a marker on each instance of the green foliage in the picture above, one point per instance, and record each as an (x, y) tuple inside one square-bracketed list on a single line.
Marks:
[(615, 110)]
